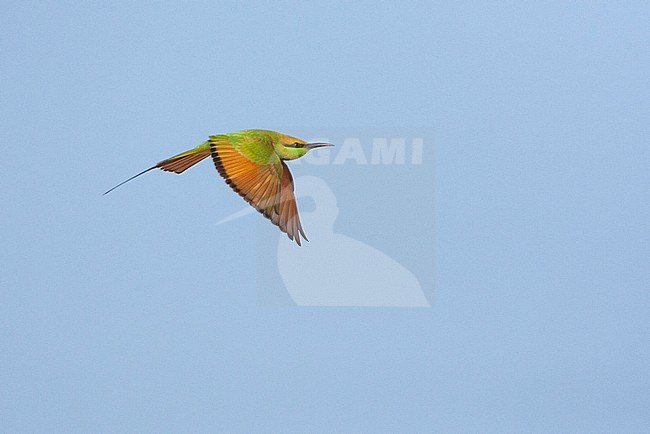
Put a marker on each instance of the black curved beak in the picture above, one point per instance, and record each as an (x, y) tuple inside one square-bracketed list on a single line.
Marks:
[(317, 145)]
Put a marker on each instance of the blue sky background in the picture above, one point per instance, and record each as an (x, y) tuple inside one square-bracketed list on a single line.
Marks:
[(134, 312)]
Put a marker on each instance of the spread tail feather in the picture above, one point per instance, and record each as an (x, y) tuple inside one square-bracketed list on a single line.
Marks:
[(182, 162), (177, 164)]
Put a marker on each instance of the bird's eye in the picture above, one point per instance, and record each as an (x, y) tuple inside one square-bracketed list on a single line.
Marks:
[(296, 145)]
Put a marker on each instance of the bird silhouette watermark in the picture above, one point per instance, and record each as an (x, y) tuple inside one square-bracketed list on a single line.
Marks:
[(337, 268)]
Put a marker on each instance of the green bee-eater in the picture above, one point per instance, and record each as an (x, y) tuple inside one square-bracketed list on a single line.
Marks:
[(253, 163)]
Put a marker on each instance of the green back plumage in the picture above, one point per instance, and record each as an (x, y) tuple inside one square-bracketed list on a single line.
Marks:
[(256, 145), (265, 146)]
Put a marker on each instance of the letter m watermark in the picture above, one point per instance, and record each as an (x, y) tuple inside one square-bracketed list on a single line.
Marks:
[(393, 151)]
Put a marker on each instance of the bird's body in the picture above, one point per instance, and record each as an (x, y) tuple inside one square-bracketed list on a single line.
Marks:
[(252, 163)]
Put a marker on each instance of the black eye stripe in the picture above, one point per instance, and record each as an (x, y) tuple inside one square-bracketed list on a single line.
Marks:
[(295, 145)]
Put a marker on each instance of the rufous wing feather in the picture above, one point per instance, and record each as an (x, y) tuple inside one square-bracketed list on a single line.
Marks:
[(287, 210), (266, 187)]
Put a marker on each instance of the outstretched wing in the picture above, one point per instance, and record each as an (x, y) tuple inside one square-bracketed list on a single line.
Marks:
[(267, 187), (287, 217)]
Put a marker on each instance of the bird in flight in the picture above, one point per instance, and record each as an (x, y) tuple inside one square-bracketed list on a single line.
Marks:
[(253, 164)]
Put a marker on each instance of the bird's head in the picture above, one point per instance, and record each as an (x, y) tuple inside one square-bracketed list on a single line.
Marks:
[(290, 148)]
